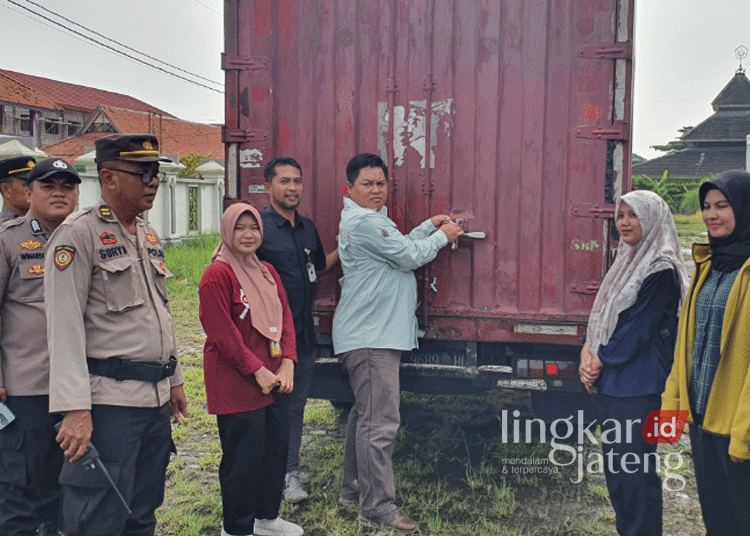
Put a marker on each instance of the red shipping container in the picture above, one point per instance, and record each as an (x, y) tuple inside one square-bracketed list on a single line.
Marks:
[(512, 115)]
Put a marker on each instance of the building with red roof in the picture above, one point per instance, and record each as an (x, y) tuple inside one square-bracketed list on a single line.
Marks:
[(176, 137), (40, 111)]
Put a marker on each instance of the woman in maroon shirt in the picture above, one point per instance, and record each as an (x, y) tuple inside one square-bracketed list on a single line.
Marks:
[(248, 365)]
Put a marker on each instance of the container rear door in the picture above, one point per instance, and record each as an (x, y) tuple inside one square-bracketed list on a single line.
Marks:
[(513, 116)]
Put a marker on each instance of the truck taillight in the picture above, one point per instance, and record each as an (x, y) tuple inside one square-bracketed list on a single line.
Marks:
[(533, 368), (536, 368)]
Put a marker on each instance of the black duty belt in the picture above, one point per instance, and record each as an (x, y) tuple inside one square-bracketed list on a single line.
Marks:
[(122, 369)]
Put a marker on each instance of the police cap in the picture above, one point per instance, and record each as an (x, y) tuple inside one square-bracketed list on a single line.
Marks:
[(128, 147), (53, 167), (16, 167)]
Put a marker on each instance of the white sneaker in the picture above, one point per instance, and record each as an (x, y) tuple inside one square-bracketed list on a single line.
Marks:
[(294, 493), (277, 527), (225, 533)]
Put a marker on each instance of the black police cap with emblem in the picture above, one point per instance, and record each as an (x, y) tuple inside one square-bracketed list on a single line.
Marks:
[(16, 167), (128, 147), (53, 167)]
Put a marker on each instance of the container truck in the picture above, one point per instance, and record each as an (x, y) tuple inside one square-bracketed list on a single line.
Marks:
[(510, 115)]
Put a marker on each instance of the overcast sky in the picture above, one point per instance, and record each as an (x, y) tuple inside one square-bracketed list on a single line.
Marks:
[(684, 55)]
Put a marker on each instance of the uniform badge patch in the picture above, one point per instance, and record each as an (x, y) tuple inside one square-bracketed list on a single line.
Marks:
[(108, 239), (105, 211), (30, 244), (163, 266), (152, 239), (37, 269), (384, 233), (246, 303), (36, 227), (64, 256)]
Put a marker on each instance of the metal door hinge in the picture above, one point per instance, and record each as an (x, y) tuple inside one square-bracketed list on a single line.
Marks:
[(242, 63), (239, 135), (619, 130), (592, 287), (608, 51), (592, 210)]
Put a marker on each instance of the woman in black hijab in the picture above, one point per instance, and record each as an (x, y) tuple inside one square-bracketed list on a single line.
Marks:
[(710, 379)]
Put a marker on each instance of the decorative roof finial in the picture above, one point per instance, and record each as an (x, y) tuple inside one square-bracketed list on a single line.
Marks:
[(740, 53)]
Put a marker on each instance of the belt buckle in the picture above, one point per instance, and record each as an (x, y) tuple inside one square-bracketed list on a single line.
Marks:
[(169, 367), (119, 374)]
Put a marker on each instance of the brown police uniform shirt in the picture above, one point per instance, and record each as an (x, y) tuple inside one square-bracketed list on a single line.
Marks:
[(24, 367), (106, 297)]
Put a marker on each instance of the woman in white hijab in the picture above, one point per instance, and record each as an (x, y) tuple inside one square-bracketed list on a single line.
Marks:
[(629, 352)]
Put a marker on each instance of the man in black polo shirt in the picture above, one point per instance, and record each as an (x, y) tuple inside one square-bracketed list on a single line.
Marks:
[(292, 245)]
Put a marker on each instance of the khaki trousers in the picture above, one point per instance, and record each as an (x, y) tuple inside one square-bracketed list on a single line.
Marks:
[(373, 423)]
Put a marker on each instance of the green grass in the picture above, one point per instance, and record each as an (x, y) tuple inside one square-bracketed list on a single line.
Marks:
[(448, 457), (190, 259)]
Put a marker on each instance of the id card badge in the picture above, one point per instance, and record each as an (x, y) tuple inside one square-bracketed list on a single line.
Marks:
[(311, 273), (6, 415)]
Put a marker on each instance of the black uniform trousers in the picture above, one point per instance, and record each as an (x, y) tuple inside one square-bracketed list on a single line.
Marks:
[(723, 485), (636, 496), (303, 376), (134, 444), (254, 447), (30, 462)]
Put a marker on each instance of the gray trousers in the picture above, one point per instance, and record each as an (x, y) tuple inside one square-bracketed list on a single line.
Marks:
[(373, 423)]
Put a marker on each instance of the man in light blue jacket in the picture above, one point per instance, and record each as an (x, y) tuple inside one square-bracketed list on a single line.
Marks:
[(374, 322)]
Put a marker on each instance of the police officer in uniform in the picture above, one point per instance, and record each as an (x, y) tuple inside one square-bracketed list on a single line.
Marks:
[(113, 366), (13, 172), (30, 460)]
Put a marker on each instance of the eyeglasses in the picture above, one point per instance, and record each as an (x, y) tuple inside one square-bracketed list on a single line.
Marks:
[(146, 176)]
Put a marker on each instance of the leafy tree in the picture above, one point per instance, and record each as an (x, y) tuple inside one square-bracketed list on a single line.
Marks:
[(690, 203), (680, 195), (674, 145), (192, 161)]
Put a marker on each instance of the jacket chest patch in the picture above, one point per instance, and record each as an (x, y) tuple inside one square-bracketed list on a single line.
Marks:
[(37, 269), (31, 245), (108, 239), (113, 252), (155, 252), (32, 256)]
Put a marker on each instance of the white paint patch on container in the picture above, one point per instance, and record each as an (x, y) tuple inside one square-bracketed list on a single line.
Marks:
[(251, 158), (409, 129)]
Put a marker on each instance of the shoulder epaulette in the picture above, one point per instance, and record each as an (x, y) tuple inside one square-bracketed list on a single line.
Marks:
[(8, 224), (77, 215)]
